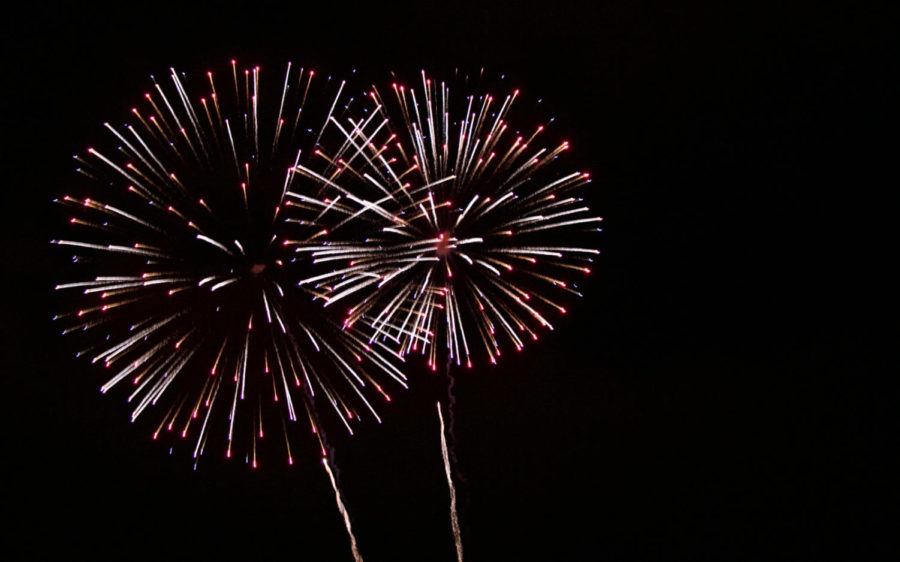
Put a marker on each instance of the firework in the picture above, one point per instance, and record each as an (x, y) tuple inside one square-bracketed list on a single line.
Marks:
[(467, 242), (182, 286), (473, 223)]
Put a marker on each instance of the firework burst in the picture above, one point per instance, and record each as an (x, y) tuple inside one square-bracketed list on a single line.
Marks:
[(473, 226), (182, 286)]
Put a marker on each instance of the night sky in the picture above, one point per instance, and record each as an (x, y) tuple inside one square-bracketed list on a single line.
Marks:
[(716, 394)]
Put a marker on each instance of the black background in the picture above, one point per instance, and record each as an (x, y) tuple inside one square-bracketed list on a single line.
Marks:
[(717, 394)]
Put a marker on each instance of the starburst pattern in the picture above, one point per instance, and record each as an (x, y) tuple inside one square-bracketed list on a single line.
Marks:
[(182, 287), (472, 225)]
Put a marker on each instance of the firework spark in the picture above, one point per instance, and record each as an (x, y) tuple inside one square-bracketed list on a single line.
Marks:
[(183, 287)]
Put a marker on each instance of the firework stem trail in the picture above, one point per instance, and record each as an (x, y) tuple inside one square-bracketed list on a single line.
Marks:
[(337, 497), (454, 519)]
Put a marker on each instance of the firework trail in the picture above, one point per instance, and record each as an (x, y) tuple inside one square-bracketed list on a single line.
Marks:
[(337, 497), (454, 519), (182, 286)]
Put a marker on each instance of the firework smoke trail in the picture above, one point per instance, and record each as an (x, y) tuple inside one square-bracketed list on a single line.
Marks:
[(183, 286), (342, 509), (454, 519)]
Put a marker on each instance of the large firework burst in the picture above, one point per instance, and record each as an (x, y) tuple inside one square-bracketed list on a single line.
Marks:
[(182, 287), (476, 222)]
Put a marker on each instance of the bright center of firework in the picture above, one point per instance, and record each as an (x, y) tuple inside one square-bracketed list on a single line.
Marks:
[(443, 247), (257, 268)]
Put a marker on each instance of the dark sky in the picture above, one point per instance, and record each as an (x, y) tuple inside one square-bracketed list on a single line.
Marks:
[(715, 396)]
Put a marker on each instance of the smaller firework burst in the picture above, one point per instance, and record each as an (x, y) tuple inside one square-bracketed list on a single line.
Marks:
[(475, 231)]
